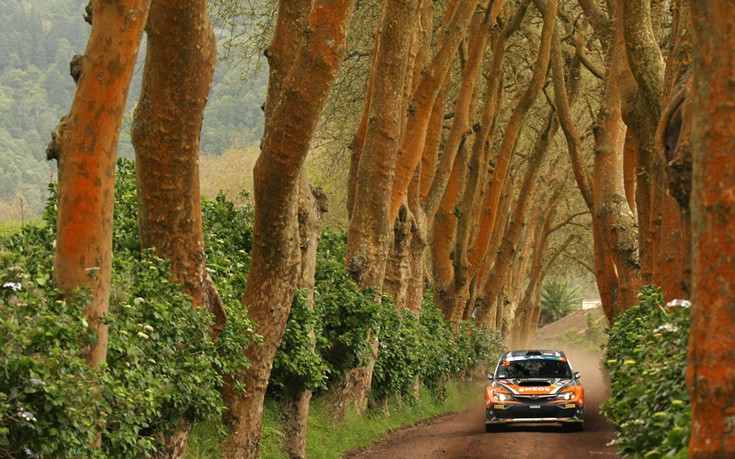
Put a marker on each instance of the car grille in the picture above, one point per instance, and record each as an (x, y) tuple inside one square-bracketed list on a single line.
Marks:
[(533, 398)]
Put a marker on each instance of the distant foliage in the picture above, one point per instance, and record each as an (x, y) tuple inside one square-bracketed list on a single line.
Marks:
[(37, 41), (558, 299), (51, 401), (646, 358)]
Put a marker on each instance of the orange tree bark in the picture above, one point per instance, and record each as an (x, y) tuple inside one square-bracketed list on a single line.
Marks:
[(451, 201), (296, 399), (513, 233), (85, 146), (413, 138), (540, 226), (673, 270), (166, 129), (510, 139), (460, 129), (452, 168), (616, 231), (369, 235), (711, 343), (293, 114)]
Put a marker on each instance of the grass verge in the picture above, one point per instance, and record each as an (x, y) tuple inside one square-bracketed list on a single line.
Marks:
[(325, 439)]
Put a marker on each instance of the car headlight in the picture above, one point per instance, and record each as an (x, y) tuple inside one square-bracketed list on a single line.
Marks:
[(502, 396), (565, 396)]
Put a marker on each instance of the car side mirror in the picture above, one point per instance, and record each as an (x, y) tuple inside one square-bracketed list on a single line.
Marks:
[(577, 375), (490, 377)]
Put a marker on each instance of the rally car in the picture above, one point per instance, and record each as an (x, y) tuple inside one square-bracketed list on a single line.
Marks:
[(534, 386)]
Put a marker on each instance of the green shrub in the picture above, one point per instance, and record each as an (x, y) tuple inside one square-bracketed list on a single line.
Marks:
[(161, 365), (349, 317), (297, 363), (646, 358), (400, 352)]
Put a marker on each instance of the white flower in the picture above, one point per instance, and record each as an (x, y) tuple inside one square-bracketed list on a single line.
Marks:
[(13, 285), (678, 303), (666, 328), (28, 416)]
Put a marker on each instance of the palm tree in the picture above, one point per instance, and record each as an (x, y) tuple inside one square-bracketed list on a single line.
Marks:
[(558, 299)]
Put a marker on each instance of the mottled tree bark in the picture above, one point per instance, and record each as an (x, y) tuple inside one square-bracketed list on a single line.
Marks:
[(295, 401), (370, 235), (616, 231), (526, 320), (85, 146), (293, 111), (673, 270), (413, 138), (166, 129), (510, 139), (712, 342), (512, 236), (451, 172)]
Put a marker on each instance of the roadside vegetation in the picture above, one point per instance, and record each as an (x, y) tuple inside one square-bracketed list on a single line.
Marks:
[(647, 360), (51, 401), (327, 439)]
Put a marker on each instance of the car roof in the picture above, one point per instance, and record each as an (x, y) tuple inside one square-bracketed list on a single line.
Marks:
[(526, 354)]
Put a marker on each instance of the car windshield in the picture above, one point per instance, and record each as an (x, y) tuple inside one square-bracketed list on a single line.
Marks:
[(533, 368)]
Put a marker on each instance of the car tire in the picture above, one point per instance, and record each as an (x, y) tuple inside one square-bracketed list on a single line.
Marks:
[(491, 428)]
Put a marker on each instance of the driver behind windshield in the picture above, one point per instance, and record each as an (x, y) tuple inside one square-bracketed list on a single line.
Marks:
[(534, 369)]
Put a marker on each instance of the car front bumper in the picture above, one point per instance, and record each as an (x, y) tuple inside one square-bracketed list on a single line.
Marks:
[(505, 413)]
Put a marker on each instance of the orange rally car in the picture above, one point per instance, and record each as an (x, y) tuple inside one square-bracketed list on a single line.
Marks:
[(534, 386)]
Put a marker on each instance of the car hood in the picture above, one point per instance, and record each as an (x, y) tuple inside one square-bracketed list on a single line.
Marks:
[(535, 386)]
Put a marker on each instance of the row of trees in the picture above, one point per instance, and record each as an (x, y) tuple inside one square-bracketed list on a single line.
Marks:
[(422, 204)]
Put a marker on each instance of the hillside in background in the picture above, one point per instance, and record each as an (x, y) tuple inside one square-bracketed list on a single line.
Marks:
[(38, 38)]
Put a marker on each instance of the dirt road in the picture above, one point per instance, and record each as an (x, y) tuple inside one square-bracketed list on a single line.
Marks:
[(462, 435)]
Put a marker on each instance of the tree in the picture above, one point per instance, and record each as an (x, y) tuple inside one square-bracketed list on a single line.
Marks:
[(369, 236), (558, 299), (180, 58), (303, 68), (85, 146), (709, 375)]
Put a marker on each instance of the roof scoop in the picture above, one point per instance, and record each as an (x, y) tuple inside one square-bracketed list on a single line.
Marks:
[(535, 383)]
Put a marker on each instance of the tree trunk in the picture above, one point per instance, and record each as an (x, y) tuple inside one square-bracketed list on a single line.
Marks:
[(293, 111), (369, 236), (460, 129), (564, 112), (642, 110), (85, 146), (524, 324), (166, 129), (711, 343), (673, 144), (295, 402), (616, 230)]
